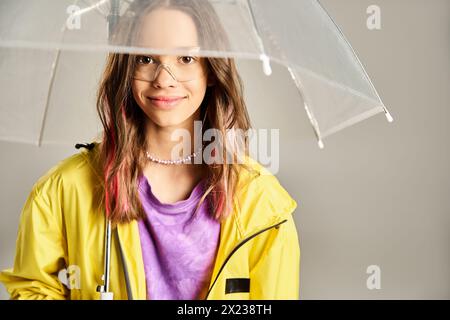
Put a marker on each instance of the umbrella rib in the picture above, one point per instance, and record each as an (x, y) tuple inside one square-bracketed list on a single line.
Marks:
[(332, 83), (386, 112), (52, 80), (312, 119), (49, 92), (89, 8), (263, 57)]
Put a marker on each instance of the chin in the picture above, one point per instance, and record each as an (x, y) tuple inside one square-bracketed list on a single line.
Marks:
[(169, 121)]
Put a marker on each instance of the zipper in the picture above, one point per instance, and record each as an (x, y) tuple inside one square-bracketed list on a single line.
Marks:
[(237, 247)]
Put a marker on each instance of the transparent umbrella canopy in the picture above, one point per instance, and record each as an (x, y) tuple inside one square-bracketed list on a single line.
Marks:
[(52, 53)]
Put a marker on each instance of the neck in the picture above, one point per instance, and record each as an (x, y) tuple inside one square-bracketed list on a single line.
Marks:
[(165, 143), (160, 145)]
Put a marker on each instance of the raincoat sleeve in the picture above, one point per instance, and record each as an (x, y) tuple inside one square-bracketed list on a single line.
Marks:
[(278, 271), (39, 250)]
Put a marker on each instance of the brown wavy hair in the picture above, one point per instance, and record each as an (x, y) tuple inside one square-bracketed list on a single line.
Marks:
[(222, 108)]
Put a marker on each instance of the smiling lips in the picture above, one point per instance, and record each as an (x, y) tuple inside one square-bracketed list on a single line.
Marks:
[(166, 98), (165, 102)]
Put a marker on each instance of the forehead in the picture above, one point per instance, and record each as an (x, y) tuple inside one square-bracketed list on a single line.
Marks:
[(167, 29)]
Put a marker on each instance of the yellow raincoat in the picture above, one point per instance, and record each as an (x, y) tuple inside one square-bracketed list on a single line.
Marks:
[(61, 236)]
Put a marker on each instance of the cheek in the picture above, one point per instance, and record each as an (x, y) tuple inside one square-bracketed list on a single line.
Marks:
[(198, 92), (137, 89)]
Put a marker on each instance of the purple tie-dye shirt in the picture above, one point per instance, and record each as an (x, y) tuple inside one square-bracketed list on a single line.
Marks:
[(178, 250)]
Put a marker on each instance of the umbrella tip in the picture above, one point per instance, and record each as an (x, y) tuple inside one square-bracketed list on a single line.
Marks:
[(320, 143), (266, 64), (388, 115)]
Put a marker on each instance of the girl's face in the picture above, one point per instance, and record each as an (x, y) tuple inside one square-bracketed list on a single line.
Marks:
[(168, 29)]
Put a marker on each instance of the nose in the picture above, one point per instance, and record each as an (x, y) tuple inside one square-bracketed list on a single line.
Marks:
[(164, 77)]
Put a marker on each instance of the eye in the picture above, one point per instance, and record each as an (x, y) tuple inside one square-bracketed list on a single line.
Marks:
[(188, 59), (144, 59)]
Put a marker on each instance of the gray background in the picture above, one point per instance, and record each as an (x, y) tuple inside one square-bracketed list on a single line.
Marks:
[(378, 194)]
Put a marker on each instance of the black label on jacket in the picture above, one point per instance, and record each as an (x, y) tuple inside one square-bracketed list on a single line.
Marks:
[(237, 285)]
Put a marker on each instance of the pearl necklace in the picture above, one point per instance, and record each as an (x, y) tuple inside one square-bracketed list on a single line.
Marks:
[(178, 161)]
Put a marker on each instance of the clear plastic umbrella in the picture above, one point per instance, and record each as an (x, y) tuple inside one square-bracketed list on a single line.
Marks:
[(52, 52)]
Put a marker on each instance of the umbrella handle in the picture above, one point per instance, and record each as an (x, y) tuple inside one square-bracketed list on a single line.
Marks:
[(106, 296), (104, 288)]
